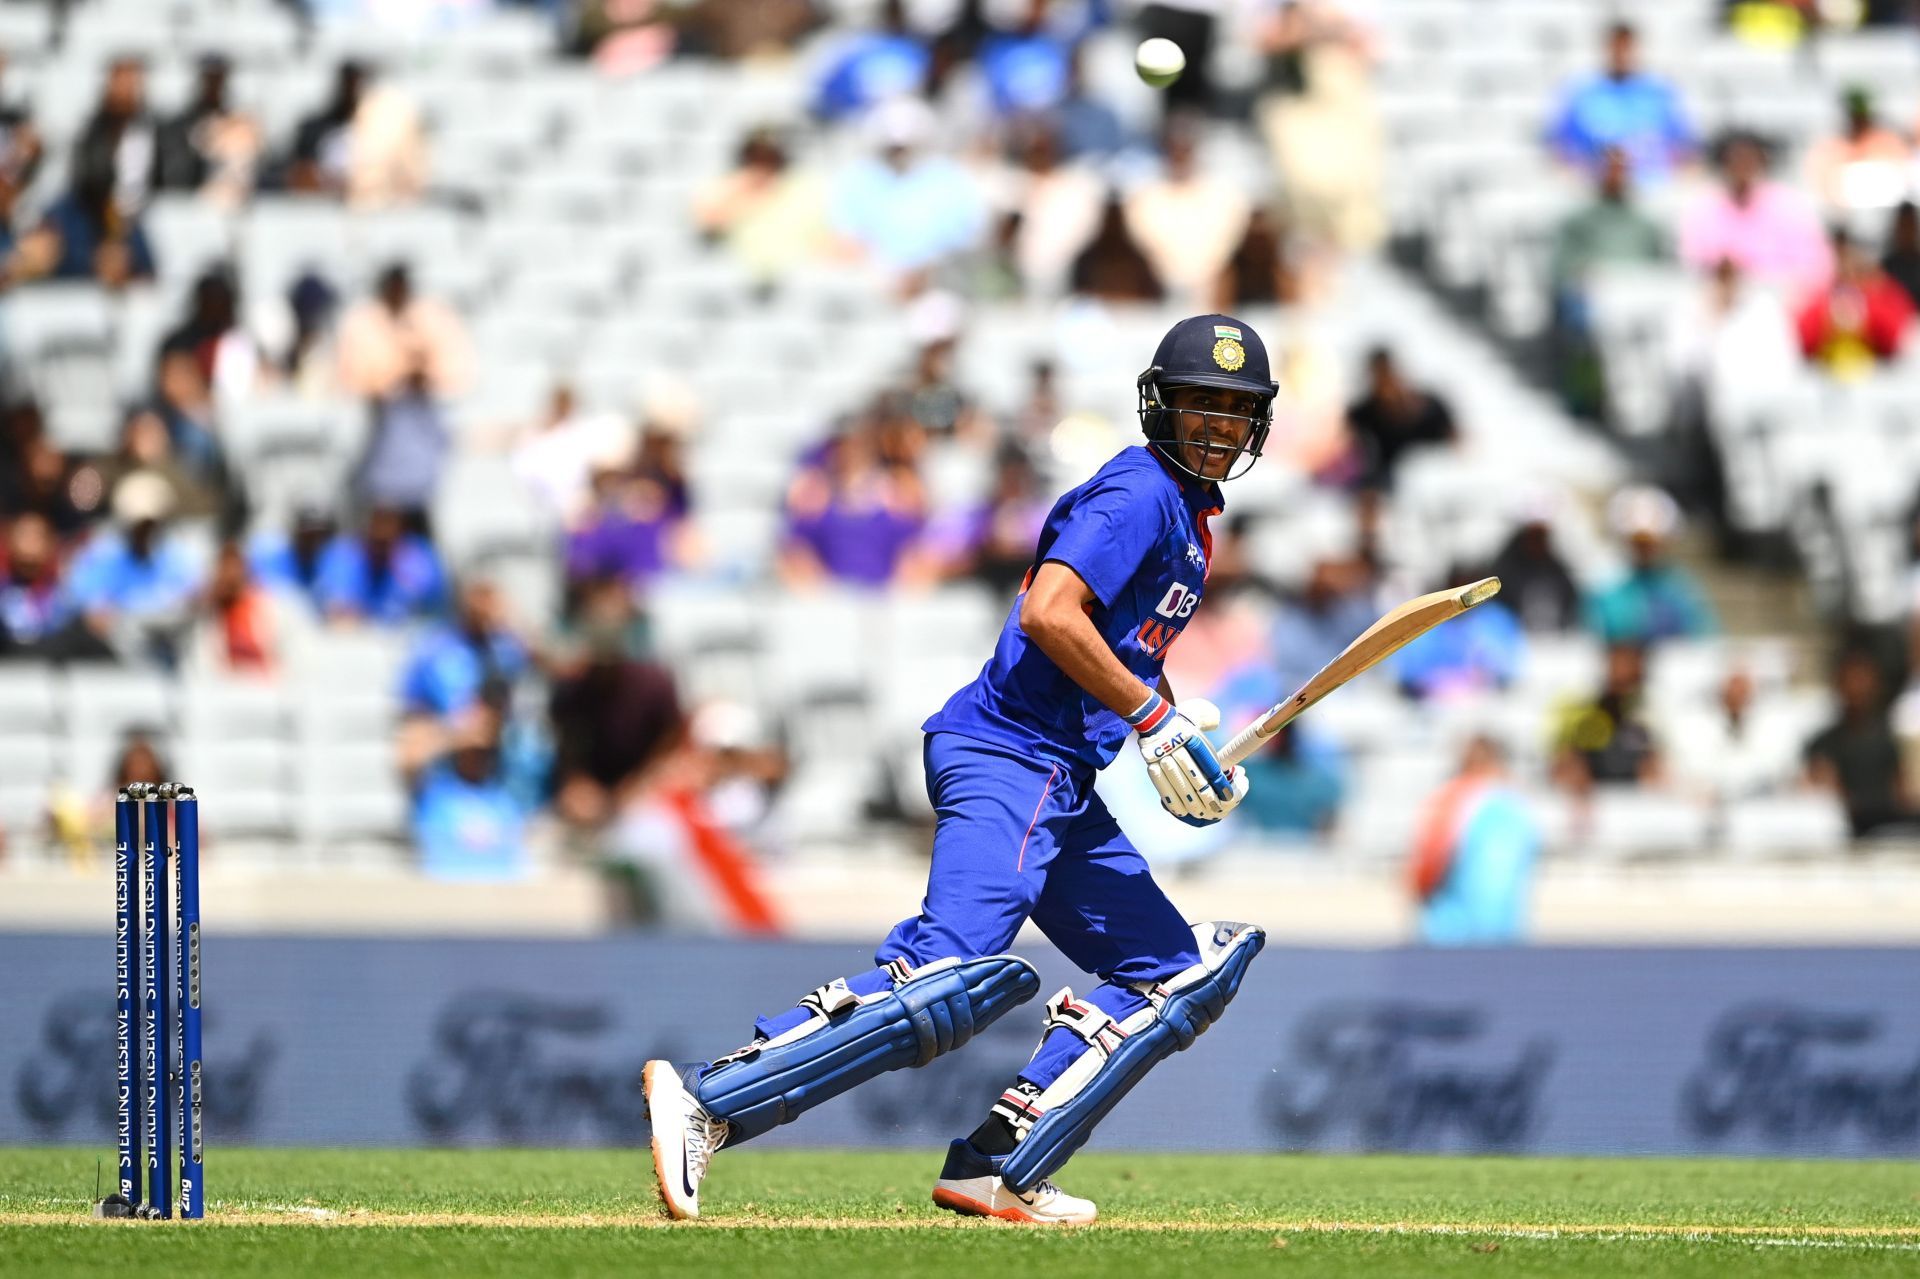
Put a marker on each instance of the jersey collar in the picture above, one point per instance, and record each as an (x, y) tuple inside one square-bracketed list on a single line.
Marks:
[(1202, 496)]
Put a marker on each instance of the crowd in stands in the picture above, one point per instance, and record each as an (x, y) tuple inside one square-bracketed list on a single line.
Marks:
[(964, 161)]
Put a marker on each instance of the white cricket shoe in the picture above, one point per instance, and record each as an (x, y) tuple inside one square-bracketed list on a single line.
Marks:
[(684, 1138), (970, 1185)]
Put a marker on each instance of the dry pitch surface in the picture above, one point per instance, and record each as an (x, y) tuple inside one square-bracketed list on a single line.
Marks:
[(367, 1213)]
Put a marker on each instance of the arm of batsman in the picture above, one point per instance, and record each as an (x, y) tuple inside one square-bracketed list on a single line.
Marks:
[(1181, 761)]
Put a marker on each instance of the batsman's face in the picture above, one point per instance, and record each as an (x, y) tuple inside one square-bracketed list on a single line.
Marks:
[(1211, 426)]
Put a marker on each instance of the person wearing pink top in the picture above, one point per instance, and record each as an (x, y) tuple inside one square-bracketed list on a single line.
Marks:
[(1768, 231)]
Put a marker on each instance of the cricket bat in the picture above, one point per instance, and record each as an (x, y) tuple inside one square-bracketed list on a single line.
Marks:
[(1385, 637)]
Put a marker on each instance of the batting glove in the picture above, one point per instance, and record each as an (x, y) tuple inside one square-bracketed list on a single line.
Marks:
[(1192, 784)]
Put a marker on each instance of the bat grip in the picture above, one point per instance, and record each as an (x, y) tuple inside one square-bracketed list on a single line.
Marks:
[(1244, 743)]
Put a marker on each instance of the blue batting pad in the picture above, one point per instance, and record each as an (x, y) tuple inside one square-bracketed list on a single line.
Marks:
[(1184, 1014), (933, 1012)]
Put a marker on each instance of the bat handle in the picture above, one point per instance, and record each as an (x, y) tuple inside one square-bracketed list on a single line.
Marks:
[(1244, 743)]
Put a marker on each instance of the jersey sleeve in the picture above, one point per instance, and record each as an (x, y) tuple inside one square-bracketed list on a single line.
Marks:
[(1105, 537)]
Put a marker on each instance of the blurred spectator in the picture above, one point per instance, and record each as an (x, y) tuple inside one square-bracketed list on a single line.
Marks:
[(868, 68), (116, 153), (1622, 107), (1087, 126), (33, 609), (1259, 272), (1734, 750), (147, 449), (557, 459), (406, 449), (1042, 409), (932, 395), (1611, 230), (1902, 261), (1858, 320), (771, 216), (1773, 24), (309, 361), (366, 145), (385, 339), (21, 151), (1731, 348), (385, 575), (993, 541), (1534, 581), (228, 358), (905, 208), (1310, 415), (1657, 598), (454, 663), (1299, 783), (1322, 123), (624, 37), (1393, 419), (1185, 221), (742, 29), (1857, 757), (1328, 613), (290, 564), (86, 235), (243, 629), (185, 404), (1478, 652), (1768, 231), (1057, 210), (210, 147), (1027, 67), (134, 585), (633, 530), (853, 516), (1865, 166), (614, 713), (1112, 268), (35, 476), (1191, 24), (1474, 855), (84, 819), (1608, 740), (744, 765), (467, 822)]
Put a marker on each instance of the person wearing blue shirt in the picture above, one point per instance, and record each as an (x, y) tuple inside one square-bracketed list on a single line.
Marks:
[(1479, 651), (290, 563), (1623, 108), (1028, 70), (873, 66), (452, 665), (1474, 866), (386, 575), (467, 822), (1656, 599), (907, 209), (131, 582), (1121, 565)]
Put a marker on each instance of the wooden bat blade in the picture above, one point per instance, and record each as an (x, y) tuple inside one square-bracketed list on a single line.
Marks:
[(1389, 635)]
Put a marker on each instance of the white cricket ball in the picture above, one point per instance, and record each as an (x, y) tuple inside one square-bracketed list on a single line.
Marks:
[(1159, 61)]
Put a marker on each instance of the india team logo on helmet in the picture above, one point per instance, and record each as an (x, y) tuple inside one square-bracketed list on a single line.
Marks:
[(1227, 351)]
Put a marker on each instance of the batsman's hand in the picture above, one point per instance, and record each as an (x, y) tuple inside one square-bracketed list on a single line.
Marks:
[(1181, 761)]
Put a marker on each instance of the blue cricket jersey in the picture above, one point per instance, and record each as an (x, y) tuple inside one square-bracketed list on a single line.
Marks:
[(1138, 537)]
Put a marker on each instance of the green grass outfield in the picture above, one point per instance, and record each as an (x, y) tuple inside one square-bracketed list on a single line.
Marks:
[(379, 1213)]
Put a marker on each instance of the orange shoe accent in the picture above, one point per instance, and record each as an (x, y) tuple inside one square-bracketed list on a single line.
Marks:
[(967, 1206)]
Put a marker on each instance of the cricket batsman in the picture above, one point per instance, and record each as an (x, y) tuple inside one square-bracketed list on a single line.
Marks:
[(1011, 758)]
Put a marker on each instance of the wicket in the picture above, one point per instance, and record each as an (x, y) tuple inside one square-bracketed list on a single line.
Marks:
[(163, 967)]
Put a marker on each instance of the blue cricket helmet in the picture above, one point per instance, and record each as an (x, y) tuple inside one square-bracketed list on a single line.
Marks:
[(1208, 350)]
